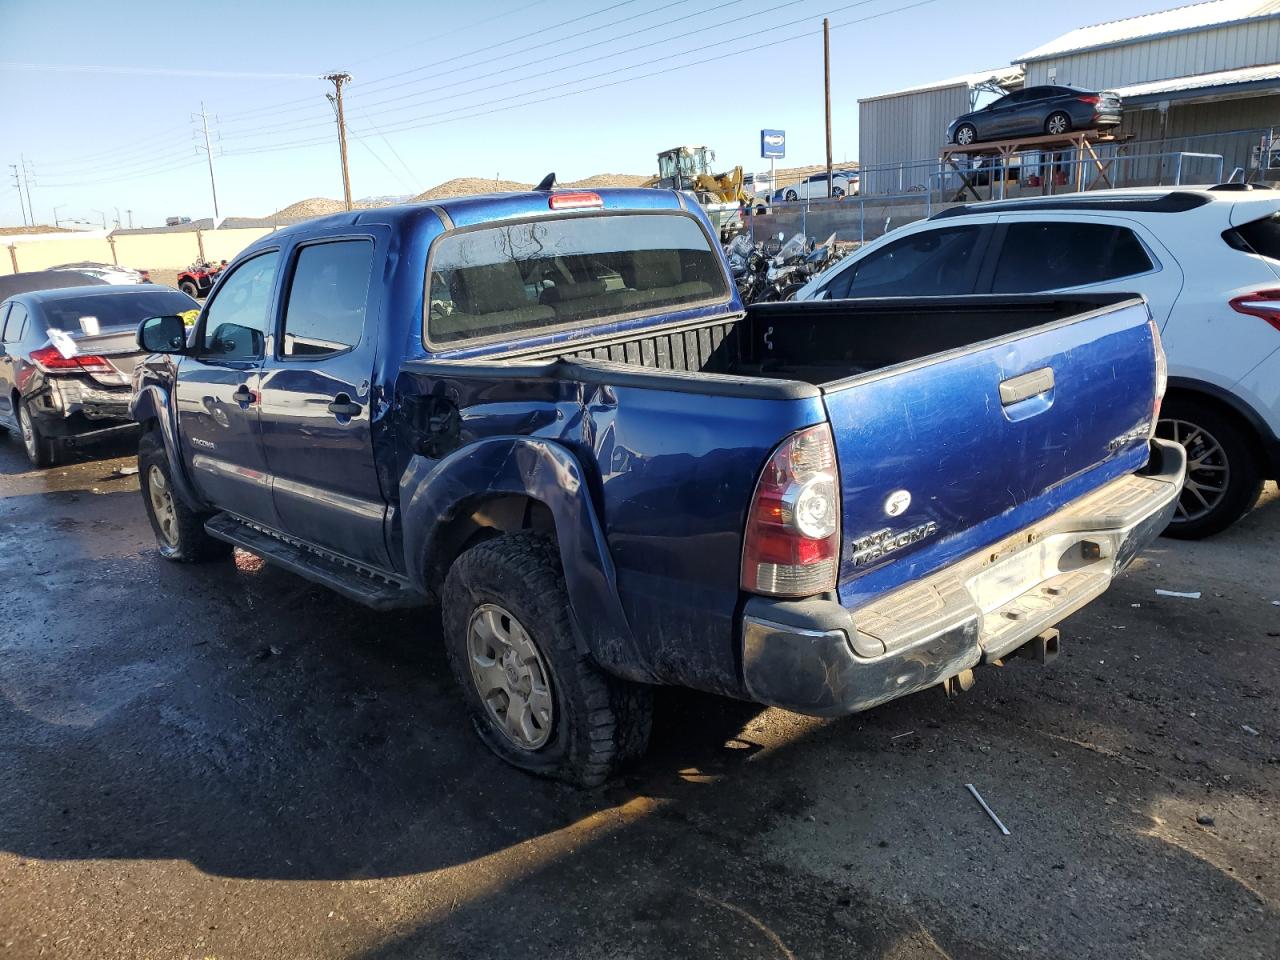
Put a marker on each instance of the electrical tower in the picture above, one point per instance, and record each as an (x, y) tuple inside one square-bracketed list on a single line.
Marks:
[(203, 119)]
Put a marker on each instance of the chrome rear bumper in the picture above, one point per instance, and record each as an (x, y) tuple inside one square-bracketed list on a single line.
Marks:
[(816, 657)]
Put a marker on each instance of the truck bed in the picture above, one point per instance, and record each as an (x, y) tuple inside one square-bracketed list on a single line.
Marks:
[(824, 342)]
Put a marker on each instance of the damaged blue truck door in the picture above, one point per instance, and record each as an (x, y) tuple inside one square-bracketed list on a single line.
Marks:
[(316, 400)]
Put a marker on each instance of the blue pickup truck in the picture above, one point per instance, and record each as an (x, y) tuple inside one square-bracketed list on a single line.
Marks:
[(549, 413)]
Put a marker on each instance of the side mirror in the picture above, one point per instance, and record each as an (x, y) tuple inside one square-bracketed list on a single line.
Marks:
[(162, 335)]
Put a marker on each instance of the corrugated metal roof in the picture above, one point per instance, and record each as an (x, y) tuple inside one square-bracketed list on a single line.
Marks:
[(1201, 81), (1003, 76), (1198, 16)]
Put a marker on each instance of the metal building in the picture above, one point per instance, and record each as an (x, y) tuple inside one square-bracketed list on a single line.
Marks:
[(1199, 79), (899, 133)]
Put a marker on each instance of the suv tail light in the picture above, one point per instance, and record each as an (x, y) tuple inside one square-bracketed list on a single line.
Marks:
[(50, 360), (1264, 304), (792, 544), (1162, 373)]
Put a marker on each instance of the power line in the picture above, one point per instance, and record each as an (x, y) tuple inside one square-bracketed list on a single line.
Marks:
[(540, 64), (390, 146), (234, 117), (436, 121)]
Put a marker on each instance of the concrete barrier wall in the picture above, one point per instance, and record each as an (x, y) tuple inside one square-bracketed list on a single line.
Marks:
[(142, 251), (42, 254), (225, 244), (156, 251)]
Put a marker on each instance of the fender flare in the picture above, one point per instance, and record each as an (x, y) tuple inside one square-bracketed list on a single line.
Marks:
[(434, 493), (152, 403)]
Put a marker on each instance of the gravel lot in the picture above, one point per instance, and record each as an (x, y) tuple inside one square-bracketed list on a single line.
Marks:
[(224, 761)]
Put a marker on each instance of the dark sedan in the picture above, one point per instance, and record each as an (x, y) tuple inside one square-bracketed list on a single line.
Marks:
[(66, 358), (1036, 111)]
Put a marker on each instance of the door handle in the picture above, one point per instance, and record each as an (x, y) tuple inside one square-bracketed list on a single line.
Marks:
[(1024, 387), (343, 407), (243, 395)]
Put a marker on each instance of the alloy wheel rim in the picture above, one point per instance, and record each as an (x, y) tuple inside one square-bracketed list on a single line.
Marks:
[(162, 505), (1208, 470), (1057, 125), (511, 677), (28, 432), (965, 136)]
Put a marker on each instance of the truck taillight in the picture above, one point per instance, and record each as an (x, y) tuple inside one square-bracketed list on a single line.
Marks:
[(51, 360), (1264, 304), (792, 543)]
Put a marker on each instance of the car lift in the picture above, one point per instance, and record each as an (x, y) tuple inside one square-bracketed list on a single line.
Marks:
[(1080, 142)]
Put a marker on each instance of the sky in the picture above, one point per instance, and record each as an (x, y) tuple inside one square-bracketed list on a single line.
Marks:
[(103, 103)]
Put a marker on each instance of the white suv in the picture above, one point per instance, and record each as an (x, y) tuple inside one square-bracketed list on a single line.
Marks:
[(1206, 258)]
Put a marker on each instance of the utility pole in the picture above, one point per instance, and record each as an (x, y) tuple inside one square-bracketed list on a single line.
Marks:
[(26, 182), (117, 210), (17, 185), (130, 213), (208, 149), (338, 79), (826, 84)]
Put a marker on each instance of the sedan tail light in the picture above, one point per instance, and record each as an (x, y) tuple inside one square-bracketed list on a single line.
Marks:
[(792, 544), (1090, 98), (1264, 304), (50, 360)]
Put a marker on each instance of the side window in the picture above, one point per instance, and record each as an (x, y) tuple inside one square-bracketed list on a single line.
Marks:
[(1058, 255), (933, 263), (236, 322), (16, 324), (4, 310), (326, 306)]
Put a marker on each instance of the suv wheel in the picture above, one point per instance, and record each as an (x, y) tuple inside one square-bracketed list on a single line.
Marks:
[(1057, 124), (179, 530), (1223, 476), (535, 698), (39, 448)]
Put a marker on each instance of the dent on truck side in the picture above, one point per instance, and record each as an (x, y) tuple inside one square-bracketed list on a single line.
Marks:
[(436, 492)]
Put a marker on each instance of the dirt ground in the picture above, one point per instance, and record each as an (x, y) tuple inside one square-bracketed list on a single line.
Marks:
[(225, 761)]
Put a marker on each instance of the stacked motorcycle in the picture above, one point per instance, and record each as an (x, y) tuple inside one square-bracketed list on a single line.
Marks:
[(776, 268)]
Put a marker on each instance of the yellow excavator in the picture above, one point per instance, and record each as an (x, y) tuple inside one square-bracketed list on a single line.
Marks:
[(720, 194)]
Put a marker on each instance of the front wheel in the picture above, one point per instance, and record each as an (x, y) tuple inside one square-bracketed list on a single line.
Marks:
[(190, 289), (966, 133), (1224, 478), (179, 530), (791, 195), (535, 699), (1057, 124)]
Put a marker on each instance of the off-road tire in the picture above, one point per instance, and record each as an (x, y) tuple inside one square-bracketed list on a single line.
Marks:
[(190, 289), (1066, 124), (600, 721), (1244, 480), (40, 450), (193, 543)]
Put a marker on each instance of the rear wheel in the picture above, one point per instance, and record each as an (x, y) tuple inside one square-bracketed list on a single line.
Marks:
[(1224, 478), (179, 530), (791, 195), (1057, 124), (40, 449), (966, 133), (535, 699), (190, 289)]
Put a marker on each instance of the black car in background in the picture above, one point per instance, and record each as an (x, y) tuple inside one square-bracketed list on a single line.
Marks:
[(66, 360), (1036, 111)]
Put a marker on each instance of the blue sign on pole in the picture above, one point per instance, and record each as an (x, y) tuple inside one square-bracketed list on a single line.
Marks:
[(773, 144)]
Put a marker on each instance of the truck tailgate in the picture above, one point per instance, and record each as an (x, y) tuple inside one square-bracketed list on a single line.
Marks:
[(945, 455)]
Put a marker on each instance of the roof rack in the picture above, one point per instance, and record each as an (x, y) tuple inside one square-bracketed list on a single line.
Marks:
[(1178, 201)]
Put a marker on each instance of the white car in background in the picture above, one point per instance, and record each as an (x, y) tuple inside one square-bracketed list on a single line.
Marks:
[(1207, 259), (107, 272), (844, 183)]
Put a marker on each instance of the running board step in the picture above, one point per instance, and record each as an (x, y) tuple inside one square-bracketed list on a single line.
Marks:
[(347, 579)]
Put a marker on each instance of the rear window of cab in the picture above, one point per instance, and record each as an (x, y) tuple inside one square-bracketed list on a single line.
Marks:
[(525, 276)]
